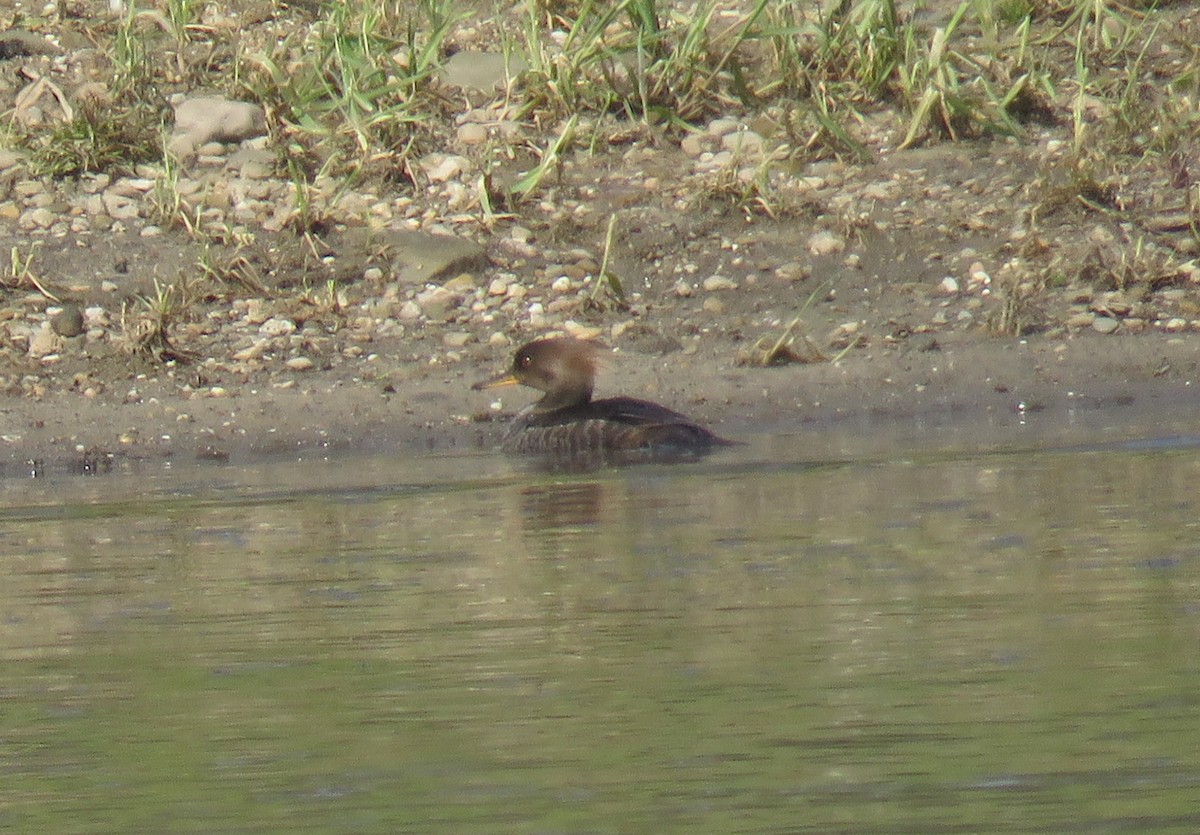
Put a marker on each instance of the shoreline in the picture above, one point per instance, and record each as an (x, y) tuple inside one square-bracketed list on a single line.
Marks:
[(1139, 378)]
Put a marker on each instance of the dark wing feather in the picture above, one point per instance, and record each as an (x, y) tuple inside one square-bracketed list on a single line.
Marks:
[(621, 429)]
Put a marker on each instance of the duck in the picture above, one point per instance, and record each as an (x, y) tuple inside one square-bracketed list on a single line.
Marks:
[(566, 424)]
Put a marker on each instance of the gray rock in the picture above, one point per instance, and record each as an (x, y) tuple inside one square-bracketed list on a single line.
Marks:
[(420, 257), (205, 119), (68, 322), (719, 282), (277, 326), (252, 163), (483, 71), (440, 168), (825, 243), (743, 141), (17, 42), (438, 303), (43, 342), (472, 134), (119, 206)]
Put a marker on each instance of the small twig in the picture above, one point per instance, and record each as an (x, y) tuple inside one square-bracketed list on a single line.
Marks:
[(21, 272)]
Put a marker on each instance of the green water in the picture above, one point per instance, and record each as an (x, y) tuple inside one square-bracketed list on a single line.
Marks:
[(1006, 642)]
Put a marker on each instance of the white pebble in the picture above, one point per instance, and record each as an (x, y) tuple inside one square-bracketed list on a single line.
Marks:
[(825, 243), (276, 326), (718, 282)]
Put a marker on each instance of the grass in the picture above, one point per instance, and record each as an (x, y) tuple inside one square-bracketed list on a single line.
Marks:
[(22, 275), (354, 91), (357, 83), (607, 280), (790, 345), (147, 321), (353, 95), (100, 137)]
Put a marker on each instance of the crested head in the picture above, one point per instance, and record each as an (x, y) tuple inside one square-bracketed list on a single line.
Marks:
[(547, 364), (563, 368)]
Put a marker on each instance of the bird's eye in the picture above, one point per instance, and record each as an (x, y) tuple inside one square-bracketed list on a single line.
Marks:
[(524, 361)]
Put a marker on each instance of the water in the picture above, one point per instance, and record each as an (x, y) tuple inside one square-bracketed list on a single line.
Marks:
[(932, 639)]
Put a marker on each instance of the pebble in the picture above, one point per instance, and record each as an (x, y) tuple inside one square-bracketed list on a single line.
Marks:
[(440, 168), (256, 311), (948, 286), (44, 342), (882, 191), (825, 243), (68, 321), (694, 144), (1105, 324), (461, 283), (437, 302), (1114, 303), (793, 271), (472, 134), (299, 364), (578, 331), (721, 127), (119, 206), (41, 218), (743, 142), (253, 352), (718, 282), (276, 326), (202, 120), (537, 315)]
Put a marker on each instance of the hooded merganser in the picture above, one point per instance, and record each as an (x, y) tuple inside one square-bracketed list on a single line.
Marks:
[(566, 424)]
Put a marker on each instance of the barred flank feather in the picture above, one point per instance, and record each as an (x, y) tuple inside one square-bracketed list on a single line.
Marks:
[(609, 440)]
